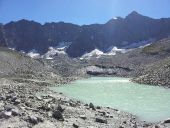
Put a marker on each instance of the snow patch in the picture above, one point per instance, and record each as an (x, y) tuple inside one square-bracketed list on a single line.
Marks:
[(113, 50), (52, 52), (12, 49), (63, 45), (33, 54), (115, 18), (144, 46), (97, 53), (139, 44)]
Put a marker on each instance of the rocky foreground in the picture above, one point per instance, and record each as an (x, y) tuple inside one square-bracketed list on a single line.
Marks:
[(33, 105), (27, 102)]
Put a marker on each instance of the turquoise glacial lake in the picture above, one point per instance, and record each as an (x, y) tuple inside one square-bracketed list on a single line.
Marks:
[(148, 103)]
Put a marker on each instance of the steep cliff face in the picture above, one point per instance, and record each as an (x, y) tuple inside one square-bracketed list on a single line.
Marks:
[(121, 32), (26, 35), (2, 40)]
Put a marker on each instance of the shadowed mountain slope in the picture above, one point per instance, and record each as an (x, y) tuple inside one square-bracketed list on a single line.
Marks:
[(121, 32)]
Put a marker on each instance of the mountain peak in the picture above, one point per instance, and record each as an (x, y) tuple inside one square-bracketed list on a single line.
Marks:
[(134, 14)]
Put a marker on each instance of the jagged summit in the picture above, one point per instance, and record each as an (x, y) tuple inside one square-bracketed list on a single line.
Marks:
[(134, 14), (137, 16), (25, 35)]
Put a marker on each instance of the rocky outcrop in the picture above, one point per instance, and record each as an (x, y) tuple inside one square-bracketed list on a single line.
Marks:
[(156, 74), (156, 71), (104, 71)]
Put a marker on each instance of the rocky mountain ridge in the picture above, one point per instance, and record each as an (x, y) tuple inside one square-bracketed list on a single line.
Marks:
[(27, 35)]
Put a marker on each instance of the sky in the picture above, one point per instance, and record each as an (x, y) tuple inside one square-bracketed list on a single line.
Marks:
[(79, 11)]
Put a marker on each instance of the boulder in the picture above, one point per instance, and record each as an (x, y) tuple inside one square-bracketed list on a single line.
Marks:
[(13, 98), (98, 107), (33, 120), (75, 125), (2, 98), (17, 101), (86, 105), (46, 107), (58, 115), (100, 120), (8, 107), (59, 108), (156, 126), (28, 104), (167, 121), (5, 114), (40, 119), (83, 117), (91, 106), (15, 112)]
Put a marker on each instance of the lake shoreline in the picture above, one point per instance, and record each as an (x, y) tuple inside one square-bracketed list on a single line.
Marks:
[(23, 108)]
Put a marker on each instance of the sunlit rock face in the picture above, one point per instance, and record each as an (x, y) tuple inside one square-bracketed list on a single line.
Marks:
[(125, 32)]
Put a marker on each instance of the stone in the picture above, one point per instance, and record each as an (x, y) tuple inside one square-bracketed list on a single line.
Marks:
[(31, 97), (135, 125), (2, 97), (59, 108), (33, 120), (86, 105), (91, 106), (72, 104), (83, 117), (100, 120), (167, 121), (124, 122), (40, 119), (8, 97), (15, 112), (45, 107), (102, 113), (10, 91), (115, 110), (75, 125), (39, 97), (58, 115), (8, 108), (13, 98), (156, 126), (111, 116), (17, 101), (28, 104), (98, 107), (5, 115)]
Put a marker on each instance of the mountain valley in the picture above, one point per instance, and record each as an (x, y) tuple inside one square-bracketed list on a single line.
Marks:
[(34, 57)]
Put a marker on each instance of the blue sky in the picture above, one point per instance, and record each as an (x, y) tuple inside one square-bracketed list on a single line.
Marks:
[(79, 11)]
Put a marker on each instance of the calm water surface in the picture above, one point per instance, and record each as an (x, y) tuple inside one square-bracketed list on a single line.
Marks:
[(149, 103)]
